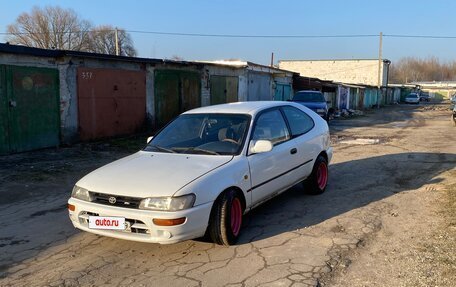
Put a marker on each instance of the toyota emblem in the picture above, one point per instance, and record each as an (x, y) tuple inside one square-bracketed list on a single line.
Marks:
[(112, 200)]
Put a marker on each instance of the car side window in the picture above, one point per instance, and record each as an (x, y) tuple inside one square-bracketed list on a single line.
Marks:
[(271, 126), (300, 123)]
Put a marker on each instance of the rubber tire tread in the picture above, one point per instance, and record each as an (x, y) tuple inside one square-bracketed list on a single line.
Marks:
[(311, 183), (220, 222)]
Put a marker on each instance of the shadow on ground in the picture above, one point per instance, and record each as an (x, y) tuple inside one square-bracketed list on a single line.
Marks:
[(352, 184)]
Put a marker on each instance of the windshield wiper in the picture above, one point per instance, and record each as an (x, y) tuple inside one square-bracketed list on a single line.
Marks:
[(163, 149), (197, 150)]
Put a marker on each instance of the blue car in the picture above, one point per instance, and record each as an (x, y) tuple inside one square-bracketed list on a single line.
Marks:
[(314, 100)]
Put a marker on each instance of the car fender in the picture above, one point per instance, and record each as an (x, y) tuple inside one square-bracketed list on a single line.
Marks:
[(208, 187)]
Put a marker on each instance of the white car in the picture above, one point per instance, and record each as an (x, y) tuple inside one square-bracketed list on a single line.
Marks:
[(202, 172), (412, 98)]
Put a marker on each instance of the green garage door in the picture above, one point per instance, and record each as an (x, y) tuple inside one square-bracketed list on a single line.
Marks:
[(282, 92), (4, 143), (29, 107), (175, 92), (224, 89)]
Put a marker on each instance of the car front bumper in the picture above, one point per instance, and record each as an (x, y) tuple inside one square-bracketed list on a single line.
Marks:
[(141, 227)]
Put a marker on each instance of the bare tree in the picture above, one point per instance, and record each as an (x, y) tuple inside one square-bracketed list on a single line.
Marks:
[(410, 69), (50, 28), (103, 40), (62, 29)]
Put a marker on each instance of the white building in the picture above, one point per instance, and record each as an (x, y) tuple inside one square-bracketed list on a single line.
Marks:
[(444, 88), (351, 71)]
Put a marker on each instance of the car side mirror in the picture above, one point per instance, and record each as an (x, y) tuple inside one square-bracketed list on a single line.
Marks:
[(149, 139), (260, 146)]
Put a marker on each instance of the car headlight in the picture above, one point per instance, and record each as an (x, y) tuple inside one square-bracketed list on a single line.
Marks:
[(168, 203), (81, 193), (321, 111)]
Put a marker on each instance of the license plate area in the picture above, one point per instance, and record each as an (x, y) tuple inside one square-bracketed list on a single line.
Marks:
[(107, 222)]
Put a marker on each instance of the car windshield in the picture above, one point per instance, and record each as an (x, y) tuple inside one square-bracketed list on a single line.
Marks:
[(211, 134), (313, 97), (412, 96)]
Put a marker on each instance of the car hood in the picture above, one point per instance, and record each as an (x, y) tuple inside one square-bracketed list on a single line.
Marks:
[(146, 174), (313, 105)]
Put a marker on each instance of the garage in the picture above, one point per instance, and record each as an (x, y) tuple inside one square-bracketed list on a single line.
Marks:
[(259, 87), (176, 91), (29, 108), (224, 89), (111, 102)]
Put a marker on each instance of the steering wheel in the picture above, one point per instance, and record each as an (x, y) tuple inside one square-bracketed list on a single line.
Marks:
[(230, 140)]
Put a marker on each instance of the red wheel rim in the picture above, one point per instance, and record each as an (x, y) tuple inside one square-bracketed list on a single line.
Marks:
[(236, 216), (322, 175)]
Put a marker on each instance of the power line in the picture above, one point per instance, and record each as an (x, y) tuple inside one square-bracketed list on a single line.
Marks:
[(200, 34), (251, 36), (53, 32), (241, 35), (419, 36)]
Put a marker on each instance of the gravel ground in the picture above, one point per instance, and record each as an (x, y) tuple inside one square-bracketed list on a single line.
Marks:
[(387, 218)]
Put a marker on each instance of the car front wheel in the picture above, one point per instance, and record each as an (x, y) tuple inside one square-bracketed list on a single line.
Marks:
[(318, 179), (226, 218)]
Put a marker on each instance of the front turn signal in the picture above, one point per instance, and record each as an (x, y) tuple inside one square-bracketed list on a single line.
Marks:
[(168, 222), (71, 207)]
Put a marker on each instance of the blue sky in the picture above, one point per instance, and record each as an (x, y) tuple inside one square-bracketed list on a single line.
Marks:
[(256, 17)]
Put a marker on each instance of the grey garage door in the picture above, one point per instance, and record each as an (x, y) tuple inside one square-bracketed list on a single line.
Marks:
[(259, 87)]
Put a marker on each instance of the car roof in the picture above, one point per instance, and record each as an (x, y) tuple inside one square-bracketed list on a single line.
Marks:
[(239, 107)]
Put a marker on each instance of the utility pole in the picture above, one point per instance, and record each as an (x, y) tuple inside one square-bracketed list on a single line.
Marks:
[(380, 63), (117, 42)]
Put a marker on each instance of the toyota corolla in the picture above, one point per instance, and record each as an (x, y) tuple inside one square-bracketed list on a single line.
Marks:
[(201, 173)]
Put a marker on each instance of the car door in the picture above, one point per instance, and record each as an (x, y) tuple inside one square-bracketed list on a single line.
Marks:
[(270, 171), (304, 137)]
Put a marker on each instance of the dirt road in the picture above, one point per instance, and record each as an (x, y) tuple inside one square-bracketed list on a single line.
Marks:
[(383, 220)]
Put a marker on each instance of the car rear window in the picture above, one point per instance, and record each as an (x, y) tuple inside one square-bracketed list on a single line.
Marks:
[(300, 123), (315, 97)]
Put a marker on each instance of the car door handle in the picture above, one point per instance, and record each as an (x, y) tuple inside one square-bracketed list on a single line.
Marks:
[(293, 151)]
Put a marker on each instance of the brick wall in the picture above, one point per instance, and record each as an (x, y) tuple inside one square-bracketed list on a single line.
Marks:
[(346, 71)]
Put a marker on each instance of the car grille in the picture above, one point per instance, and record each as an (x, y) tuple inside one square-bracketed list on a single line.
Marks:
[(132, 225), (120, 201)]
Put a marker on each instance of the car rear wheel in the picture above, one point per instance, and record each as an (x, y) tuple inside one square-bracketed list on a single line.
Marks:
[(317, 181), (226, 219)]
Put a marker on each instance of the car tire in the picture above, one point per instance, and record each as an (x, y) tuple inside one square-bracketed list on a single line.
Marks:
[(327, 118), (226, 218), (317, 181)]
